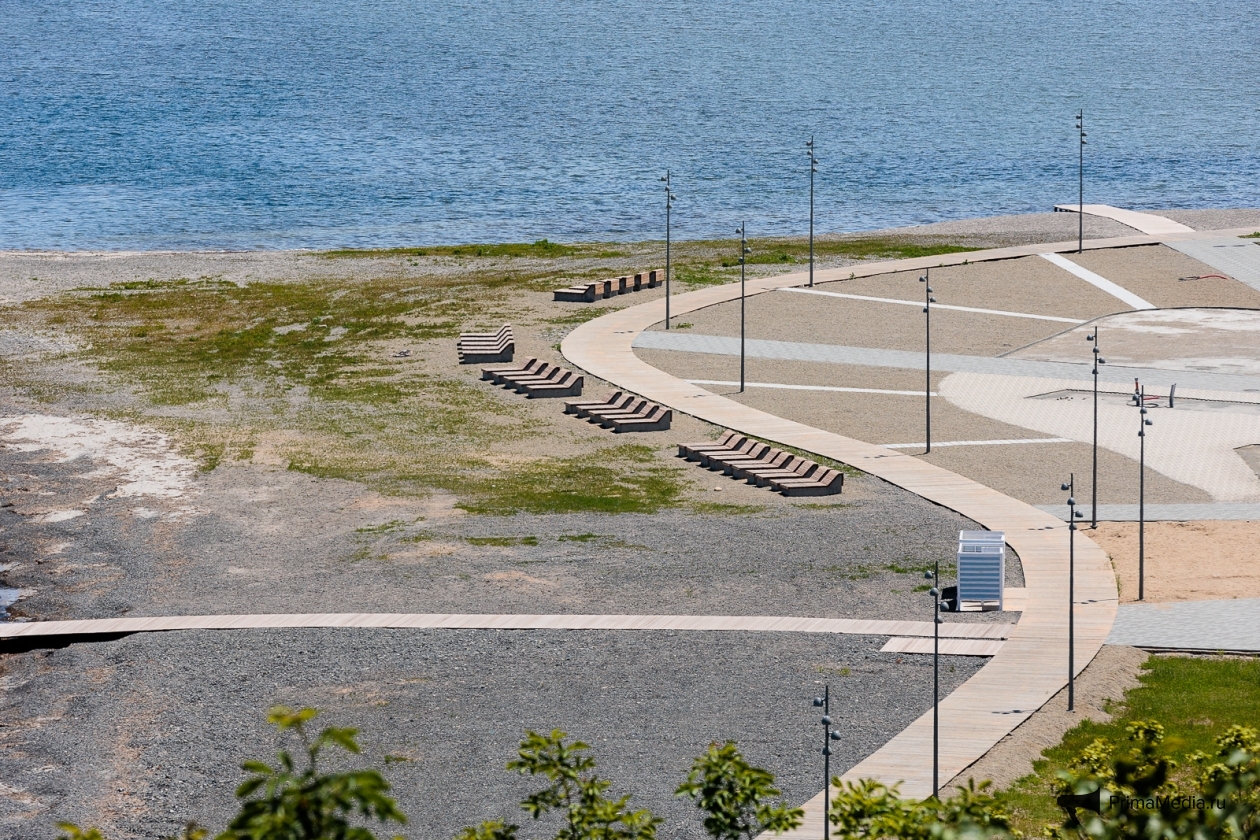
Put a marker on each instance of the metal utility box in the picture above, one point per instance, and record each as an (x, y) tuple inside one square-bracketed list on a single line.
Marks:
[(981, 570)]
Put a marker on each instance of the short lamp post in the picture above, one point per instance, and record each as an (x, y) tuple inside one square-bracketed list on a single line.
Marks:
[(813, 168), (829, 735), (1143, 422), (744, 251), (935, 592), (1093, 483), (1073, 515), (928, 300), (669, 206)]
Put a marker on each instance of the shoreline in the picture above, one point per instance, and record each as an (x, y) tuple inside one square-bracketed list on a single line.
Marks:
[(1207, 218)]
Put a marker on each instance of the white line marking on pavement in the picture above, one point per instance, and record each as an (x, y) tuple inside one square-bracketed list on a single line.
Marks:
[(808, 387), (937, 306), (975, 443), (1101, 282)]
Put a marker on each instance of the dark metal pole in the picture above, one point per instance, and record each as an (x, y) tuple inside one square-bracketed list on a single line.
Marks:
[(669, 203), (1070, 486), (936, 691), (1093, 485), (813, 167), (1143, 423), (928, 300), (826, 761), (828, 736), (1080, 235), (743, 253)]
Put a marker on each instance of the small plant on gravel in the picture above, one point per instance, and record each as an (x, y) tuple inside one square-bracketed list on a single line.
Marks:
[(736, 796), (281, 803), (573, 790)]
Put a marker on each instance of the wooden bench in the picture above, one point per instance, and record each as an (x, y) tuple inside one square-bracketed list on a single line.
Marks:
[(758, 463), (624, 412), (537, 379), (602, 289), (479, 348)]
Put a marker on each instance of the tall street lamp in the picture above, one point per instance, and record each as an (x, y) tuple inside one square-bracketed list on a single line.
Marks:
[(936, 678), (744, 251), (928, 300), (813, 168), (1080, 171), (1073, 514), (1093, 485), (1143, 422), (669, 205), (829, 735)]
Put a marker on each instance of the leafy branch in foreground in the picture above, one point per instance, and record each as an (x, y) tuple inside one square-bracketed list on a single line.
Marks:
[(869, 809), (734, 794), (309, 805)]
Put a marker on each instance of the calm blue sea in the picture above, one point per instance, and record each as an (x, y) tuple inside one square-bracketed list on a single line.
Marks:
[(276, 124)]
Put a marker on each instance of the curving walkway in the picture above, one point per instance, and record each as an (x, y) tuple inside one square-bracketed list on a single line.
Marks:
[(1032, 664), (1145, 222)]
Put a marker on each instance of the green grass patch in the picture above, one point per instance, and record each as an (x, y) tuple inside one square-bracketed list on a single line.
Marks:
[(538, 248), (615, 479), (579, 538), (1195, 700), (1255, 235), (724, 509), (502, 541)]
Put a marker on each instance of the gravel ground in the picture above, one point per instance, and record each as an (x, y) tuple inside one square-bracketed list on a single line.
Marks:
[(271, 540), (140, 734)]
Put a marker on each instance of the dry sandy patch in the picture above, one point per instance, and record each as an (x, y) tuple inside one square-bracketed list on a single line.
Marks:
[(1185, 561)]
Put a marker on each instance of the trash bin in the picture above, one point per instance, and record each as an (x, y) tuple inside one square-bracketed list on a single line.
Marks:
[(981, 570)]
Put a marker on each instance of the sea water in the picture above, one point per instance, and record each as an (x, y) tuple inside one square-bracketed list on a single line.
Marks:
[(158, 124)]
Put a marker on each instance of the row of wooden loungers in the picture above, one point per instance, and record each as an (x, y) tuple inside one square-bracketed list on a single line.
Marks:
[(624, 412), (480, 348), (761, 464), (591, 292), (537, 378)]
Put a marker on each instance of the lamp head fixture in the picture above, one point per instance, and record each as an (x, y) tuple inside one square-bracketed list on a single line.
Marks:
[(1066, 486)]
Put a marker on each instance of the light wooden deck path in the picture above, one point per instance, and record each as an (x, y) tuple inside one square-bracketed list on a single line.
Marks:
[(1032, 664), (1146, 222), (991, 632)]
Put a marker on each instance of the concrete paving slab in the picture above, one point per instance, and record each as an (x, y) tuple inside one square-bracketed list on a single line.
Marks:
[(1239, 258), (1190, 625)]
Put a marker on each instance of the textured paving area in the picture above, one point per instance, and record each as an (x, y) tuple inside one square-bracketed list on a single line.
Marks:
[(140, 734), (1165, 513), (725, 345), (1190, 625), (1239, 258)]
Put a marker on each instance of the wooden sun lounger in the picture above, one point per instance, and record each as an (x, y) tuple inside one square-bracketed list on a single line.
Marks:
[(601, 289), (579, 407), (726, 441), (656, 420), (750, 450), (479, 348), (827, 484), (569, 384), (801, 468), (494, 374)]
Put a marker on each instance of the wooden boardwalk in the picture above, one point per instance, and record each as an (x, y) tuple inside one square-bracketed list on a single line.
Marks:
[(992, 632), (1032, 664), (1148, 223)]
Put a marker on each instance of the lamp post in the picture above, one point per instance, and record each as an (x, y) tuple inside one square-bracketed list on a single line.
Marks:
[(935, 592), (928, 300), (1080, 171), (1073, 514), (669, 205), (1093, 484), (829, 735), (744, 251), (1143, 422), (813, 167)]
